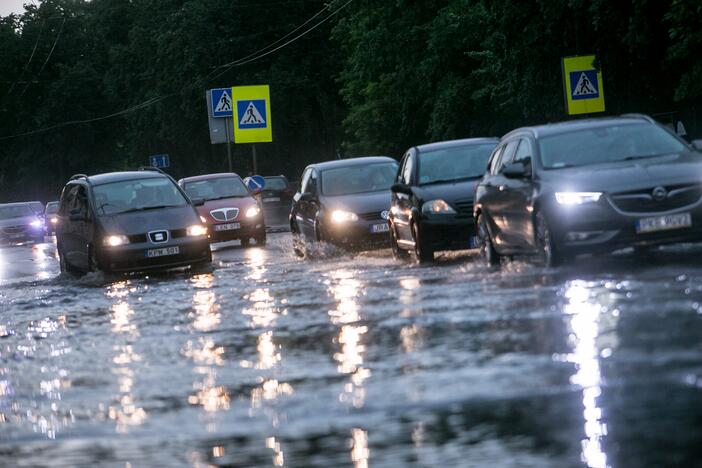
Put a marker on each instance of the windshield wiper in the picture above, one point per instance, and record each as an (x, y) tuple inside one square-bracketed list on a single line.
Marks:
[(146, 208), (645, 156), (446, 181)]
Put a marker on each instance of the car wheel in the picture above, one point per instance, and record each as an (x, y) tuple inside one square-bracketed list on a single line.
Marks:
[(319, 232), (487, 248), (93, 265), (548, 255), (261, 239), (245, 241), (421, 250), (64, 266), (397, 251), (298, 244)]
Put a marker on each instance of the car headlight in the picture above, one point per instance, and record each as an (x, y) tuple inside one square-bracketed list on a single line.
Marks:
[(37, 223), (437, 207), (54, 220), (202, 218), (115, 240), (196, 230), (253, 211), (341, 216), (577, 198)]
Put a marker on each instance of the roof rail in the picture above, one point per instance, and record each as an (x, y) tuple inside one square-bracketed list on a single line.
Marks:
[(79, 176), (151, 168), (639, 116)]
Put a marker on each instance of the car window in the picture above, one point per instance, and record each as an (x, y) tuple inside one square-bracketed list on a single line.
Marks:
[(81, 202), (607, 144), (52, 207), (305, 179), (507, 154), (358, 179), (453, 163), (524, 151), (312, 183), (216, 188), (135, 195), (15, 211), (275, 183), (69, 195), (408, 169), (495, 159)]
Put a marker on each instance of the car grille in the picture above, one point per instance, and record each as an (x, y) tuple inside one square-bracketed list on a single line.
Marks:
[(158, 237), (643, 201), (225, 214), (464, 207), (372, 216), (14, 229)]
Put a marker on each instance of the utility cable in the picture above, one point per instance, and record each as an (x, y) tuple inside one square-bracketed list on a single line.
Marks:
[(26, 65), (47, 58)]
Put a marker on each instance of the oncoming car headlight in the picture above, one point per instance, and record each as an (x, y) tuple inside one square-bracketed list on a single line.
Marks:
[(577, 198), (54, 220), (252, 211), (115, 240), (437, 207), (37, 223), (196, 230), (341, 216)]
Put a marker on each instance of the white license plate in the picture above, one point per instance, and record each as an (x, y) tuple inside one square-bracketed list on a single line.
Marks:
[(375, 228), (271, 199), (663, 223), (162, 252), (227, 227)]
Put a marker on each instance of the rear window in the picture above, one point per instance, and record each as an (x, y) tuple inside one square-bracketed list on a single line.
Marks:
[(275, 183), (136, 195)]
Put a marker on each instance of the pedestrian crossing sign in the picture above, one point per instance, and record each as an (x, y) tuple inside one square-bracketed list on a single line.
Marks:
[(221, 99), (582, 85), (252, 114)]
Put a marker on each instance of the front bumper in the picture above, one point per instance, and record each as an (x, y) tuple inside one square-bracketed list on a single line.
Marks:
[(358, 234), (133, 257), (448, 232), (21, 234), (247, 229), (599, 228)]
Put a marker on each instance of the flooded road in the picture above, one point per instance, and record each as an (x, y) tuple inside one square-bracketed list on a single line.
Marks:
[(353, 360)]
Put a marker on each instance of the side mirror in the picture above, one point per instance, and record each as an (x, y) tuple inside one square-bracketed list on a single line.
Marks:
[(199, 201), (306, 197), (515, 171), (401, 188), (697, 144)]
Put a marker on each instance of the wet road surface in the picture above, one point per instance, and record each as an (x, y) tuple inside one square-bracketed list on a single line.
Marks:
[(353, 360)]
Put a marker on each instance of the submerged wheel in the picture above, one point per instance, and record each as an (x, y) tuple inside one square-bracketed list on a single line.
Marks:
[(261, 239), (245, 241), (487, 249), (422, 251), (64, 266), (93, 265), (397, 251), (548, 255), (298, 245)]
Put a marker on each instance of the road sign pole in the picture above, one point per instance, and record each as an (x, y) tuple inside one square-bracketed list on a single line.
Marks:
[(229, 146), (255, 162)]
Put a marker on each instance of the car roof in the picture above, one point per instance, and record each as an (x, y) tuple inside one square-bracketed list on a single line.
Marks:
[(337, 163), (567, 126), (453, 143), (216, 175), (109, 177), (16, 204)]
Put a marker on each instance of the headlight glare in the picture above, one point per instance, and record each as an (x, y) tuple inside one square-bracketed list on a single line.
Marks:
[(115, 240), (196, 230), (253, 211), (202, 218), (341, 216), (54, 220), (37, 223), (577, 198), (437, 207)]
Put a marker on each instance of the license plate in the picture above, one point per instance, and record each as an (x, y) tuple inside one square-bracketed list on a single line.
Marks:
[(663, 223), (473, 242), (271, 199), (227, 227), (375, 228), (162, 252)]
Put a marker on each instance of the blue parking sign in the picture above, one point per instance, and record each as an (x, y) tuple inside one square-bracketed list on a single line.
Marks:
[(160, 160)]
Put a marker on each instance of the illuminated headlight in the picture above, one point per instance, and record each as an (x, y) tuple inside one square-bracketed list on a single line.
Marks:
[(253, 211), (341, 216), (577, 198), (115, 240), (202, 218), (196, 230), (54, 220), (37, 223), (437, 207)]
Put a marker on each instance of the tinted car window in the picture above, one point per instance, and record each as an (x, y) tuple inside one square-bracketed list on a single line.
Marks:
[(495, 160), (607, 144), (15, 211), (523, 151), (312, 182), (406, 177), (455, 163), (275, 183), (213, 189), (52, 207), (358, 179), (305, 179), (131, 195)]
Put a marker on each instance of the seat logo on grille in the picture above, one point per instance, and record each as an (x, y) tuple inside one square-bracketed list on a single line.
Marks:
[(385, 214), (659, 194), (158, 237)]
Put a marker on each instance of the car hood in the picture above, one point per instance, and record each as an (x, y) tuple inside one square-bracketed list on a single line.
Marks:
[(359, 202), (624, 176), (140, 222), (450, 192), (235, 202), (23, 221)]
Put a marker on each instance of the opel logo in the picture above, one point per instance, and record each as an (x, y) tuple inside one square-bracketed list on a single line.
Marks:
[(660, 194), (385, 214)]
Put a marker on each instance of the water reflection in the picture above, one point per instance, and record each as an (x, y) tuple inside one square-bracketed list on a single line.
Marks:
[(42, 256), (584, 325), (411, 336), (205, 313), (278, 459), (359, 448)]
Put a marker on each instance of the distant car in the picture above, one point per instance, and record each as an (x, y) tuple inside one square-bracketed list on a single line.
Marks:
[(344, 202), (588, 186), (19, 223), (128, 221), (51, 217), (276, 198), (225, 204), (432, 200), (38, 207)]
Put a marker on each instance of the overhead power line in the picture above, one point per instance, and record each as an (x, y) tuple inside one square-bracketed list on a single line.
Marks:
[(267, 50), (26, 65), (48, 57)]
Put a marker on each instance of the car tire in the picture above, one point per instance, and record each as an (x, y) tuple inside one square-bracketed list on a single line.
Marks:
[(261, 239), (397, 251), (297, 242), (319, 232), (64, 266), (421, 250), (487, 248), (93, 265), (245, 241), (548, 254)]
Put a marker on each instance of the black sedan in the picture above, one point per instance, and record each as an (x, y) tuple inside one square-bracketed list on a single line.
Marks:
[(276, 199), (344, 202), (587, 186), (432, 201)]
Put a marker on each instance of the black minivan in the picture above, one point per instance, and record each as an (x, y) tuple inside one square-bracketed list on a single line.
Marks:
[(128, 221)]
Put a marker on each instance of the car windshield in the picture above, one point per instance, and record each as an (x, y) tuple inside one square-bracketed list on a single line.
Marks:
[(214, 189), (358, 179), (15, 211), (52, 207), (454, 163), (275, 183), (607, 144), (136, 195)]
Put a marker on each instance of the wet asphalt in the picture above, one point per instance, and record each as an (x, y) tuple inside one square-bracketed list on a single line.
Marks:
[(353, 359)]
